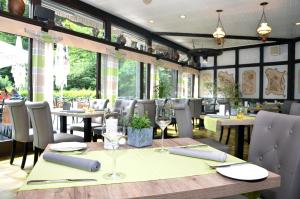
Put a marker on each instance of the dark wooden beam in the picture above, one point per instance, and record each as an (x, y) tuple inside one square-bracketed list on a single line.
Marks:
[(141, 80), (261, 72), (148, 80), (98, 76), (105, 16), (291, 71), (181, 34)]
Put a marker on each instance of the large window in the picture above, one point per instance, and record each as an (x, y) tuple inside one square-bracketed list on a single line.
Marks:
[(168, 78), (76, 21), (128, 78)]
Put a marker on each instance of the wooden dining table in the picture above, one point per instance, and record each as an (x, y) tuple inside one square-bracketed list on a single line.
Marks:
[(86, 116), (211, 185)]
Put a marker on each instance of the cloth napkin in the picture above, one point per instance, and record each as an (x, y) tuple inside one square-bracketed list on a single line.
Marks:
[(74, 162), (208, 155)]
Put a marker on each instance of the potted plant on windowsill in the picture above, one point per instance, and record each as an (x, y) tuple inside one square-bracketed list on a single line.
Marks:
[(140, 132)]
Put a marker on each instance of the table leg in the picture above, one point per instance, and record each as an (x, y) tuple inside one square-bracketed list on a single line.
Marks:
[(87, 129), (63, 124), (239, 142)]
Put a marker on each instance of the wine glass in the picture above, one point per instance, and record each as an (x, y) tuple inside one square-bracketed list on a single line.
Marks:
[(163, 118), (113, 139)]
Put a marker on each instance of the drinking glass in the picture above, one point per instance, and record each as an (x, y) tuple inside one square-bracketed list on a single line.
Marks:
[(163, 118), (114, 139), (240, 113)]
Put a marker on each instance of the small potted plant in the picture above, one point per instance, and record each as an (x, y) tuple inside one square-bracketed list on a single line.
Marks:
[(140, 132)]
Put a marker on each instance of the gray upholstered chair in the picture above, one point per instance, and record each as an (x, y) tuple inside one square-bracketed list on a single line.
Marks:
[(97, 104), (40, 116), (275, 146), (196, 108), (185, 127), (21, 133), (147, 107), (124, 106), (295, 109), (286, 106)]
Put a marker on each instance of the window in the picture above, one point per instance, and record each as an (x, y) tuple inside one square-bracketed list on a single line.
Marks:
[(169, 78), (128, 78), (71, 19)]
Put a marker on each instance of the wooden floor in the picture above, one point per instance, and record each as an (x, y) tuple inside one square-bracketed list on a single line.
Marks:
[(12, 177)]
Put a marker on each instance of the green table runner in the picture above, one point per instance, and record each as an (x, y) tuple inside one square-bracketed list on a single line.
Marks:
[(210, 123), (136, 164)]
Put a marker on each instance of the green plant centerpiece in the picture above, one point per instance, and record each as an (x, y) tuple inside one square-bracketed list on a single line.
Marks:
[(140, 132)]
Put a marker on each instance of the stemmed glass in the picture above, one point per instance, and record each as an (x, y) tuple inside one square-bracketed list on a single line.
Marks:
[(114, 139), (163, 118)]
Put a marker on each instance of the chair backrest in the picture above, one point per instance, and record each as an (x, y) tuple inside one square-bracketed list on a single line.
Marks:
[(286, 106), (41, 122), (295, 109), (183, 119), (196, 106), (99, 104), (127, 106), (275, 146), (147, 107), (19, 120)]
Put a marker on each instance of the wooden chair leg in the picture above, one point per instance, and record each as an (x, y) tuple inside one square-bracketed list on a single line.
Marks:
[(221, 135), (36, 155), (249, 134), (24, 155), (13, 151), (228, 136), (71, 131)]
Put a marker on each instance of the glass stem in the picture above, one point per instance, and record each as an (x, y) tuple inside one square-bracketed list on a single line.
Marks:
[(162, 138), (114, 163)]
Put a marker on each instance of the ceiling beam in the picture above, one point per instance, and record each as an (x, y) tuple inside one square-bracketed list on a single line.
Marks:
[(114, 20), (181, 34)]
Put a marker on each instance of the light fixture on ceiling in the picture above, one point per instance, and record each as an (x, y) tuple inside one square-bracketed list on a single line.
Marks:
[(297, 23), (147, 2), (219, 34), (183, 16), (263, 29), (151, 21)]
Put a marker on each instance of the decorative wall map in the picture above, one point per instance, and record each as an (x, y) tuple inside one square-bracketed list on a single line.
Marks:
[(249, 82), (275, 82), (297, 81), (225, 76), (206, 77)]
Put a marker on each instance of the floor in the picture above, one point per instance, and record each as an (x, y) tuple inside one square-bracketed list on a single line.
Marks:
[(12, 177)]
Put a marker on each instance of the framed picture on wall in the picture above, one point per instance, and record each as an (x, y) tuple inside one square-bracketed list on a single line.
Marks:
[(275, 82), (206, 83), (249, 82), (297, 81), (225, 77)]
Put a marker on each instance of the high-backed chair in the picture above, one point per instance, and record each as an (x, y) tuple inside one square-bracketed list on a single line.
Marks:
[(20, 128), (97, 104), (286, 106), (196, 108), (147, 107), (122, 106), (275, 146), (40, 116), (295, 109), (185, 127)]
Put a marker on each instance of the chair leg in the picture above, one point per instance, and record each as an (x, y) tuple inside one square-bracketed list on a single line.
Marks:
[(221, 135), (71, 131), (13, 151), (36, 155), (24, 155), (227, 140)]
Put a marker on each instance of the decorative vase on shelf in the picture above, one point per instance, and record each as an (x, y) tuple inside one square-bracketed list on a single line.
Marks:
[(16, 7), (121, 40)]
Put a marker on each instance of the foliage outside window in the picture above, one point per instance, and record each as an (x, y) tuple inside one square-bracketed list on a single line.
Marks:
[(128, 79)]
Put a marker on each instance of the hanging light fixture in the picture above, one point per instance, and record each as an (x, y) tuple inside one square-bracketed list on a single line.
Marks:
[(263, 29), (219, 34)]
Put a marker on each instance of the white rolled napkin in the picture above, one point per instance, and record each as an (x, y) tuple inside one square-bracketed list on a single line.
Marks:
[(208, 155)]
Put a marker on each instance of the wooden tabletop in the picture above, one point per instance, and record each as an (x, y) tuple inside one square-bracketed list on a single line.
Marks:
[(202, 186), (60, 112)]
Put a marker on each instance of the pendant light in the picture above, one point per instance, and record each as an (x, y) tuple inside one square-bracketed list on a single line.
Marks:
[(219, 34), (263, 29)]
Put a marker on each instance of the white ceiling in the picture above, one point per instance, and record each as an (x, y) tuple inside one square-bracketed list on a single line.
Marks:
[(240, 17)]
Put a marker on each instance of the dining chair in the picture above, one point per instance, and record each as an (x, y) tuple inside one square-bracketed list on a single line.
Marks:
[(122, 106), (96, 104), (295, 109), (147, 107), (185, 127), (21, 133), (286, 106), (275, 146), (43, 133)]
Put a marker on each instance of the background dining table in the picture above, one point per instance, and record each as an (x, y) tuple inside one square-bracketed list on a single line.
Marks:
[(211, 185)]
